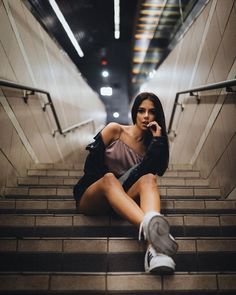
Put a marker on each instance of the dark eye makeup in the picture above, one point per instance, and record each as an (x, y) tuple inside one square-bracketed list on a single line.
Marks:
[(151, 111)]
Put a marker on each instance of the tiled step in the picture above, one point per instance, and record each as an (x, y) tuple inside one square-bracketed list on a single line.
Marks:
[(111, 245), (56, 172), (80, 219), (70, 166), (70, 181), (56, 166), (102, 231), (118, 283), (77, 171), (84, 226), (46, 247), (111, 262), (189, 192), (46, 206)]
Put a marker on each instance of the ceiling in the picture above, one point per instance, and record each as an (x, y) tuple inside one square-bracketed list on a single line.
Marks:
[(149, 30)]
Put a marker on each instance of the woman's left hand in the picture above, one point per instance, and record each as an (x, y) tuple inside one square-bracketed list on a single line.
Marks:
[(155, 128)]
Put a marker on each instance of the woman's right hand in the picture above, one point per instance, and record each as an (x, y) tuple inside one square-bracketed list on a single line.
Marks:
[(155, 128)]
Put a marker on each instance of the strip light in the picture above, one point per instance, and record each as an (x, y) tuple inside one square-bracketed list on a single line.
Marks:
[(66, 27), (117, 19)]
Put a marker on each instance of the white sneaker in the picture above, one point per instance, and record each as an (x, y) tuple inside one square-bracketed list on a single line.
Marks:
[(156, 230), (157, 262)]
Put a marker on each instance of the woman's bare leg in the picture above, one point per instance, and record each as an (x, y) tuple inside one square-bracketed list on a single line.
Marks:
[(107, 192), (145, 190)]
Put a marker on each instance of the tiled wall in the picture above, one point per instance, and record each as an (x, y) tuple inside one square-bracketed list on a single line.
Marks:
[(205, 132), (28, 56)]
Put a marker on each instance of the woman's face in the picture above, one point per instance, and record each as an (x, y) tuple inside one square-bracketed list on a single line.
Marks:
[(146, 114)]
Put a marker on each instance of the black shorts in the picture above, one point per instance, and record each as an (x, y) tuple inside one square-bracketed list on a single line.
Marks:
[(88, 180), (81, 186)]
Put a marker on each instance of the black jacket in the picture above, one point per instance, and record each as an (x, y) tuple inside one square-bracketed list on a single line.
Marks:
[(155, 161)]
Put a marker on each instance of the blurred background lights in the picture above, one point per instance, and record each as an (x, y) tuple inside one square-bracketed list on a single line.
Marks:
[(106, 91), (105, 74), (116, 115)]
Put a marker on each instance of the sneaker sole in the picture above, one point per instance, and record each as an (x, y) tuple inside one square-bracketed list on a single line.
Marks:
[(166, 266), (162, 270), (158, 232)]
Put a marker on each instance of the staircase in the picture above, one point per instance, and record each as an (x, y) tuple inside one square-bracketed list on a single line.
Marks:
[(46, 247)]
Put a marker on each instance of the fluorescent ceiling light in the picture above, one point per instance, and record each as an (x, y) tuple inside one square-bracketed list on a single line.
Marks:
[(117, 19), (152, 73), (116, 115), (105, 74), (66, 27), (106, 91)]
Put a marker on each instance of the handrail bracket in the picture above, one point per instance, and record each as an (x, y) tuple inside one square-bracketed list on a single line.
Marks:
[(55, 132), (230, 89), (198, 99), (60, 132), (181, 104), (26, 95), (173, 132), (45, 105)]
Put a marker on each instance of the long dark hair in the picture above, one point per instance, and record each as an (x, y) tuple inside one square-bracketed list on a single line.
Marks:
[(159, 113)]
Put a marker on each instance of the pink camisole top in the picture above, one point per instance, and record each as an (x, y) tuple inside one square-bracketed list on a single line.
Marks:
[(119, 157)]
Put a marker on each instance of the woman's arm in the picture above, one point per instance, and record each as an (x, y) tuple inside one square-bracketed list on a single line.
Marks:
[(157, 156)]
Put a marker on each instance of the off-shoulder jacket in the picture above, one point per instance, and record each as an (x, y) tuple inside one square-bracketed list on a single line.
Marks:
[(155, 161)]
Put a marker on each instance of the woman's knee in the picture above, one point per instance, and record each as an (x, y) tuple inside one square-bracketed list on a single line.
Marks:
[(148, 179), (109, 180)]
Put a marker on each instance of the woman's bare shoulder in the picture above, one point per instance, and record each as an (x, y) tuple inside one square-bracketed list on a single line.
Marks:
[(111, 132)]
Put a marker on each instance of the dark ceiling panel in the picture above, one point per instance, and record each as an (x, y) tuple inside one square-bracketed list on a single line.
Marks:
[(148, 30)]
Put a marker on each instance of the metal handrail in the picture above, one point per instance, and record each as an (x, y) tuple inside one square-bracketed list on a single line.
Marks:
[(48, 103), (224, 84)]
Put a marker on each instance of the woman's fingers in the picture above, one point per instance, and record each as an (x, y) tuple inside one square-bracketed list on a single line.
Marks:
[(155, 128)]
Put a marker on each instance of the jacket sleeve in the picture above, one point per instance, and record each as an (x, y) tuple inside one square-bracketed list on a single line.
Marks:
[(157, 156), (95, 162), (155, 161)]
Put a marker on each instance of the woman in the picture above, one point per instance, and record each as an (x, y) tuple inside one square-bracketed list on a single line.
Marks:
[(120, 173)]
